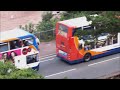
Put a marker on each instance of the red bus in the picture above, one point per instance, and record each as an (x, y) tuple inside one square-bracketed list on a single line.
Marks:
[(78, 48)]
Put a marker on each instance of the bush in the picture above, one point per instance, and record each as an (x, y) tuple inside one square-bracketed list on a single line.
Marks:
[(72, 14), (9, 71), (6, 68), (46, 17), (25, 74), (44, 26), (47, 22), (29, 27)]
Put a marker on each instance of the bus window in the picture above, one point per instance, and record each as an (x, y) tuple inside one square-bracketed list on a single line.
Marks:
[(28, 41), (115, 39), (3, 47), (20, 43), (14, 44), (63, 30), (77, 32), (88, 27), (83, 33), (32, 58)]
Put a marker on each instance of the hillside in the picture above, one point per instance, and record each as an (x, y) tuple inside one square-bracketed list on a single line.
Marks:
[(12, 19)]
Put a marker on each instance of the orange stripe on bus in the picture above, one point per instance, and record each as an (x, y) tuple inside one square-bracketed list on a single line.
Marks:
[(9, 40), (76, 42), (31, 46), (82, 51)]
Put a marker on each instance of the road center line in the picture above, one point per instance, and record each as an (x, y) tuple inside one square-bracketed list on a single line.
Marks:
[(60, 72), (47, 57), (47, 60), (103, 61)]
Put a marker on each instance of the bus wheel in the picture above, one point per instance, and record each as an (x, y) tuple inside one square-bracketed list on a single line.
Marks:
[(37, 69), (87, 57)]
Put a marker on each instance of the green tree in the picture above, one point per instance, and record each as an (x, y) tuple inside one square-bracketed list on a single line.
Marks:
[(30, 27), (9, 71), (25, 74), (106, 22), (45, 26), (46, 17), (47, 22)]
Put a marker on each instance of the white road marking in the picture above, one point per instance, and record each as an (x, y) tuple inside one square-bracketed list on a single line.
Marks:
[(60, 72), (47, 60), (103, 61), (47, 57)]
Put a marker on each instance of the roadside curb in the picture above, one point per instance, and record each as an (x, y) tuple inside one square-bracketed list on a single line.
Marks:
[(109, 75)]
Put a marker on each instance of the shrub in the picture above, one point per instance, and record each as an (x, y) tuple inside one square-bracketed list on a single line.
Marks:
[(28, 27), (9, 71)]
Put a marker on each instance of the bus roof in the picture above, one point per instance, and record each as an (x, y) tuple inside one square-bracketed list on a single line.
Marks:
[(13, 34), (76, 22)]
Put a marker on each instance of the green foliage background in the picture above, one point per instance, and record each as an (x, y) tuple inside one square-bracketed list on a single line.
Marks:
[(9, 71)]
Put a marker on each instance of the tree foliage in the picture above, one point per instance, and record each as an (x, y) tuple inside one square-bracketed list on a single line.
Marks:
[(9, 71), (45, 26), (30, 27), (107, 22), (47, 22)]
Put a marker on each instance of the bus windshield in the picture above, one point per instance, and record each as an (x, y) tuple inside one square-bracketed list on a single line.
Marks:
[(28, 41)]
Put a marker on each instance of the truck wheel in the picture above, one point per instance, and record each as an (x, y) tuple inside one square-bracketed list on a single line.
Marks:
[(87, 57)]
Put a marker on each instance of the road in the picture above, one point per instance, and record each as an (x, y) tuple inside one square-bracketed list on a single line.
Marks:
[(53, 68)]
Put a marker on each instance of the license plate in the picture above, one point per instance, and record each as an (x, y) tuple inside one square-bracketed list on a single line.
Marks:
[(62, 53)]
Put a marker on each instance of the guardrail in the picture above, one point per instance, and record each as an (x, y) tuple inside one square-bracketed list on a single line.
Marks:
[(45, 36)]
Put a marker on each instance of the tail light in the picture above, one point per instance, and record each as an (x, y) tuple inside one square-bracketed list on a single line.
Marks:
[(29, 49), (25, 51)]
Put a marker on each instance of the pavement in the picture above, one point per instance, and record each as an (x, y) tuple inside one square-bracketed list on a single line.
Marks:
[(12, 19), (47, 48)]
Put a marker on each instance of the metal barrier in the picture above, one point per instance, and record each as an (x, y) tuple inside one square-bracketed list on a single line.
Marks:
[(46, 36)]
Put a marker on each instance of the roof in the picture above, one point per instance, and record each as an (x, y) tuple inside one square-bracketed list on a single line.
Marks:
[(76, 22), (12, 34)]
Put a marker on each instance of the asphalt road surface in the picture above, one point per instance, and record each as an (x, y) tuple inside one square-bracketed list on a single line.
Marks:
[(52, 67)]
